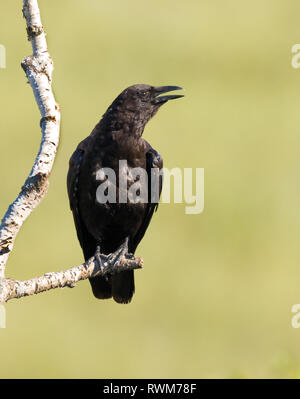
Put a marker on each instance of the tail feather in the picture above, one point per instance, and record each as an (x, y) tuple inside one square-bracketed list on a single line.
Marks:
[(102, 287), (123, 286)]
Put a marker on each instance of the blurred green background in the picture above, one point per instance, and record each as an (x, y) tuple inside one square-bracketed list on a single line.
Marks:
[(215, 296)]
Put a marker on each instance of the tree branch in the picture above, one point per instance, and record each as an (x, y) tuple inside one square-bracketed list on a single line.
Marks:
[(38, 69), (10, 288)]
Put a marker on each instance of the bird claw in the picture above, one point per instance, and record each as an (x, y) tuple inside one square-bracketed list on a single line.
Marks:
[(98, 258), (119, 253), (108, 261)]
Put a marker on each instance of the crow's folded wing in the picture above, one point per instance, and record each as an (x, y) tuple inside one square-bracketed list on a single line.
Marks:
[(153, 160), (87, 241)]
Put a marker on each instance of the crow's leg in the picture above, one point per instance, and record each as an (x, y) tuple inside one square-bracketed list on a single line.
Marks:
[(108, 261), (119, 253)]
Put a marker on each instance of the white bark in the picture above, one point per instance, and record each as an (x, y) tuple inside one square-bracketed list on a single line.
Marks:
[(10, 288), (38, 69)]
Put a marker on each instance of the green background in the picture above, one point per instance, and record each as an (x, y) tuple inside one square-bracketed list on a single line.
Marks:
[(215, 296)]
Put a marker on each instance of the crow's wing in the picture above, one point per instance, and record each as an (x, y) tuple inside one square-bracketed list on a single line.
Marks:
[(101, 286), (87, 242), (153, 160)]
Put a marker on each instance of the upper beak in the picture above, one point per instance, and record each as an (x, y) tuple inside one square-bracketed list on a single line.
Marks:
[(165, 89)]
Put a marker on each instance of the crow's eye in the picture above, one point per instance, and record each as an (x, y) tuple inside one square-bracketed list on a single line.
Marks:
[(143, 93)]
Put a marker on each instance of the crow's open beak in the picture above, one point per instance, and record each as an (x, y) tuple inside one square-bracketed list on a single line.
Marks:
[(165, 89)]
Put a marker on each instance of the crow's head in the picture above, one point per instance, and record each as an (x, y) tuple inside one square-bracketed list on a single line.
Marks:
[(147, 97), (141, 101)]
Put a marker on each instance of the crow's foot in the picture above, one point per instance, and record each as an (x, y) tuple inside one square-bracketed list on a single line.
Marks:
[(110, 263)]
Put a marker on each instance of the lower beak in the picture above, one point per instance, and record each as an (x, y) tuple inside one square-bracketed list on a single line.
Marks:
[(165, 89)]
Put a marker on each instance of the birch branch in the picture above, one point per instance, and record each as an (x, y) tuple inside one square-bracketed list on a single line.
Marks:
[(38, 69), (95, 266)]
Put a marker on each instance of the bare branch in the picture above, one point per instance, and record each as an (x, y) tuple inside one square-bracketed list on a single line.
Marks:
[(38, 69), (10, 288)]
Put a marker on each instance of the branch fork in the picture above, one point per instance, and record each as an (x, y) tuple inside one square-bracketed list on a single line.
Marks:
[(38, 69)]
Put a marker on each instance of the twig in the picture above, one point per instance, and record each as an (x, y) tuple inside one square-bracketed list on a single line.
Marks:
[(10, 288)]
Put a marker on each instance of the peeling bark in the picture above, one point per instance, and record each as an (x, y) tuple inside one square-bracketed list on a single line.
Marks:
[(38, 69), (10, 288)]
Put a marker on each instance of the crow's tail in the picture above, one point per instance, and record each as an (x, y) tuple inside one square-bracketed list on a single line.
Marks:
[(123, 286), (101, 286)]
